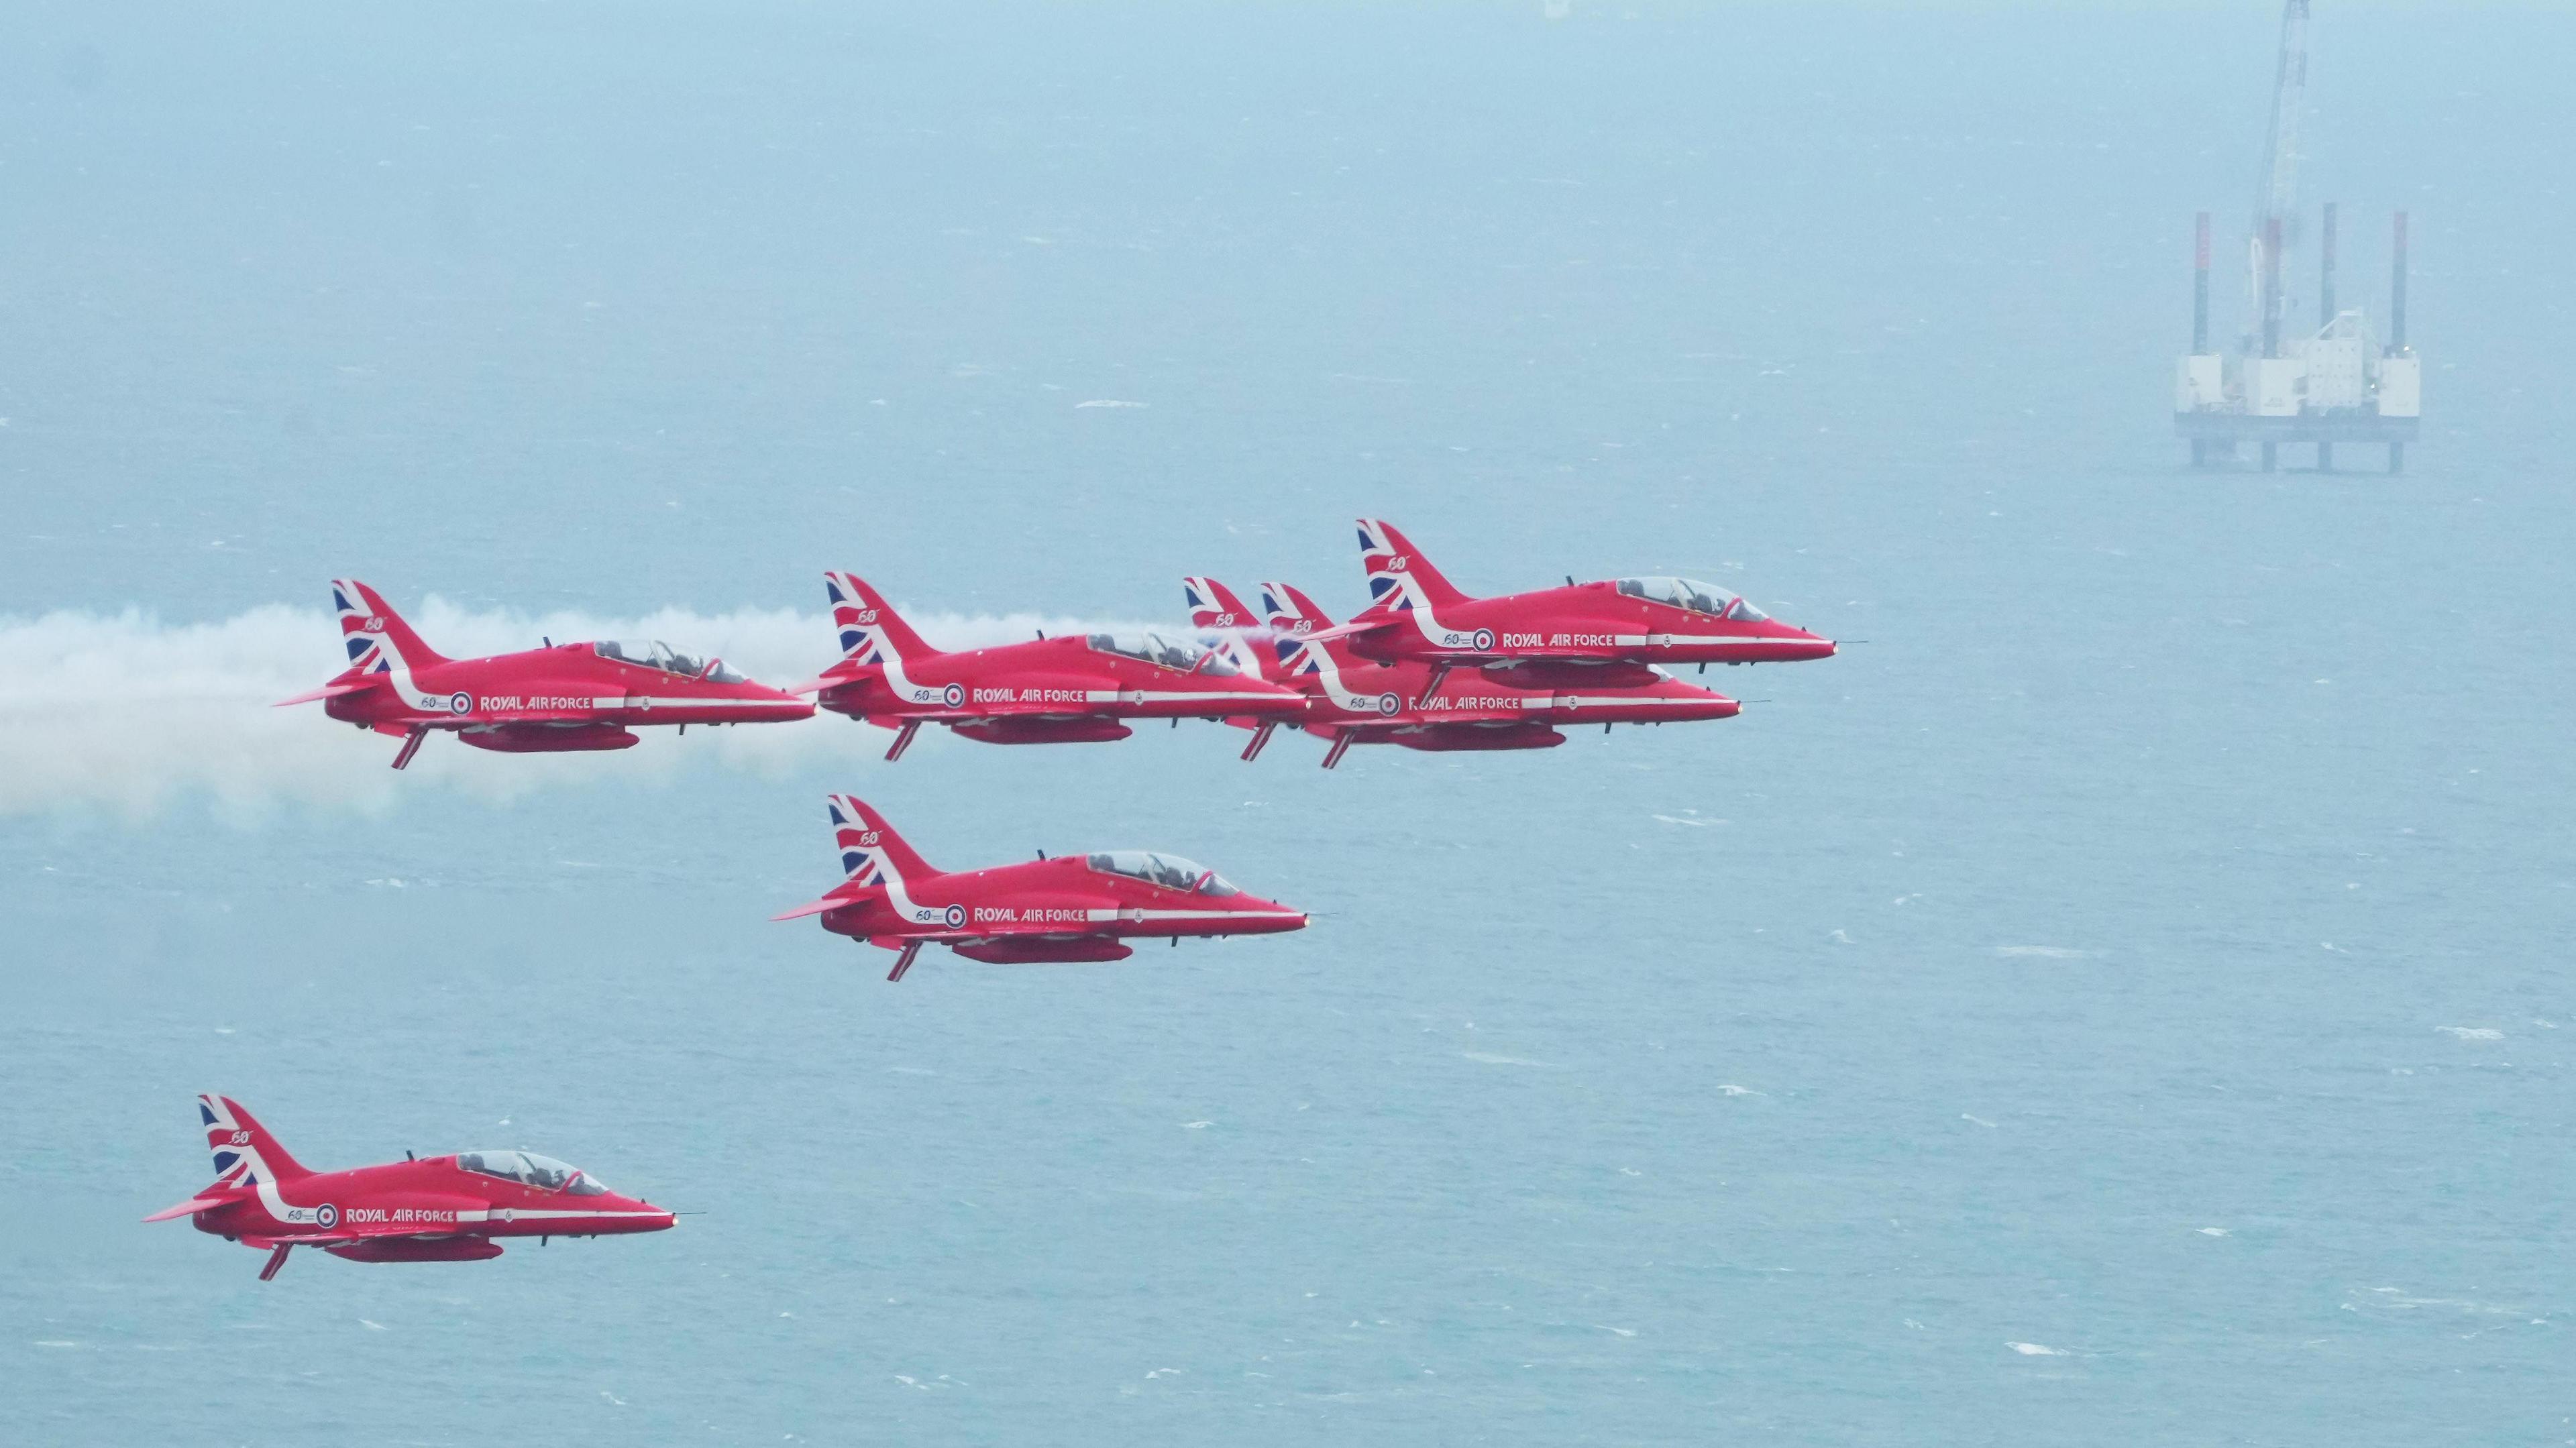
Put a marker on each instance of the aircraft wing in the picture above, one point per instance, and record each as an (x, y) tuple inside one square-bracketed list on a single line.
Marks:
[(1058, 706), (1060, 928), (317, 1239), (542, 717), (349, 1232)]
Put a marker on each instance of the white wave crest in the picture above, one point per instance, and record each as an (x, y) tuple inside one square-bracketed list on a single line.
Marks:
[(130, 714)]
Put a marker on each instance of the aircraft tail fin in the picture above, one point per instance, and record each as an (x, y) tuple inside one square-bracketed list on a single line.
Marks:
[(1213, 605), (867, 627), (871, 852), (1295, 625), (1285, 608), (374, 636), (1399, 577), (244, 1151)]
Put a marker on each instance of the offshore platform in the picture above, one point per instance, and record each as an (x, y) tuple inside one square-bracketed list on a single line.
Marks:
[(2334, 379)]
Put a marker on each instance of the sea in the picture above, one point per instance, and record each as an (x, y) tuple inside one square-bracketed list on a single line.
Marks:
[(2124, 997)]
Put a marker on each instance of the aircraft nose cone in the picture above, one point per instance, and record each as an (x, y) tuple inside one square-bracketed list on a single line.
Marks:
[(790, 705), (1804, 645), (1274, 915)]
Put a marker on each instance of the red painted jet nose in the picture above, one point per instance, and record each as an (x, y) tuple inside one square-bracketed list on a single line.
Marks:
[(634, 1214), (789, 706), (1256, 916), (1789, 643)]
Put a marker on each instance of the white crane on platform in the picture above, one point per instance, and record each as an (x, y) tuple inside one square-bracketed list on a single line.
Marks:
[(2276, 206)]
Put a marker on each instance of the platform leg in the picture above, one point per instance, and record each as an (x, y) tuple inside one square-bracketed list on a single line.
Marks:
[(2397, 457), (2325, 457), (2271, 456), (2199, 452)]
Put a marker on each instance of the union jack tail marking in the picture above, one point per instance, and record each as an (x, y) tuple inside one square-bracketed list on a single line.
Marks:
[(1399, 577), (868, 630), (1213, 605), (375, 637), (245, 1154), (871, 852)]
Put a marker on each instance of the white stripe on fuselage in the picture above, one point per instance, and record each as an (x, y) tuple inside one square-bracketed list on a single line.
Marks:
[(901, 899), (1427, 623), (1132, 914)]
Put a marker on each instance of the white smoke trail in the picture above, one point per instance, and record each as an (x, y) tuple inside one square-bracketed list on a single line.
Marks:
[(127, 713)]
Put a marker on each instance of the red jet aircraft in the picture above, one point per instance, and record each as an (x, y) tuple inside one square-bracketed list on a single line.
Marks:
[(1353, 701), (429, 1209), (560, 697), (1589, 635), (1073, 907), (1061, 690)]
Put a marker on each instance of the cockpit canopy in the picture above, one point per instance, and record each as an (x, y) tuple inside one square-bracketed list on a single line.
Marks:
[(656, 654), (529, 1169), (1169, 871), (1153, 648), (1694, 595)]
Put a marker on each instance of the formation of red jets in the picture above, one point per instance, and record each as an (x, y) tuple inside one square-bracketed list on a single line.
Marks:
[(1422, 665)]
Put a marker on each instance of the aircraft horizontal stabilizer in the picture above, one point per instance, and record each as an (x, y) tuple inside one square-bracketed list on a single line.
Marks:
[(812, 907), (327, 691), (1360, 625), (188, 1208)]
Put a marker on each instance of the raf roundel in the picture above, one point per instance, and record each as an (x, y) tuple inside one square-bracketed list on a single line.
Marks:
[(1484, 639), (460, 702), (956, 917), (1390, 704), (954, 695), (326, 1216)]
